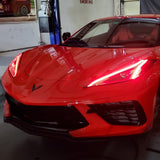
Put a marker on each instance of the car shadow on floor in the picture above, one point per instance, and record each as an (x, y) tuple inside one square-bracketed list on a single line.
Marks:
[(20, 145)]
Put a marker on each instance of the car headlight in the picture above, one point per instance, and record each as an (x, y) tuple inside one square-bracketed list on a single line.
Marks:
[(14, 65), (127, 73)]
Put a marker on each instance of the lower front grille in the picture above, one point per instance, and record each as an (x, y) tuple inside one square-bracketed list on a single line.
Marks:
[(120, 113), (58, 117)]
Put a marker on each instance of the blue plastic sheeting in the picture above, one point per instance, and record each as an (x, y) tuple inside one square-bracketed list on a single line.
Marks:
[(150, 6)]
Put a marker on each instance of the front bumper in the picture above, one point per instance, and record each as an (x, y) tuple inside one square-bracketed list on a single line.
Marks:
[(43, 120)]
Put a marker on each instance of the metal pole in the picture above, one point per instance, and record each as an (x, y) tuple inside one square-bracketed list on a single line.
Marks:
[(122, 7), (59, 20), (40, 36)]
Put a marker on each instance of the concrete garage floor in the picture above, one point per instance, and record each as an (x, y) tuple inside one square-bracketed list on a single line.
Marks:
[(17, 145)]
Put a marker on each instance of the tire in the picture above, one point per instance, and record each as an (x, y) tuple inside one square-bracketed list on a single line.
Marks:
[(157, 106), (23, 10)]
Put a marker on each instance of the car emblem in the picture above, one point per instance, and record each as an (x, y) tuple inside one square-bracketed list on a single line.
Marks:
[(34, 87)]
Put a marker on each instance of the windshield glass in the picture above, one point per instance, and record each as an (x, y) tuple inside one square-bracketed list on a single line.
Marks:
[(117, 33)]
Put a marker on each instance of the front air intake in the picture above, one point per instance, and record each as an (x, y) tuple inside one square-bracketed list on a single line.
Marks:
[(58, 117), (120, 113)]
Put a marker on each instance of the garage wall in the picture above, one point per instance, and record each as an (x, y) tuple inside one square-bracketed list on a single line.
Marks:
[(14, 35), (74, 14), (132, 8), (19, 32), (116, 7)]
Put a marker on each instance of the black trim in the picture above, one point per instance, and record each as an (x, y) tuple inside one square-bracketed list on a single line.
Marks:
[(36, 130), (59, 118), (39, 131), (120, 113)]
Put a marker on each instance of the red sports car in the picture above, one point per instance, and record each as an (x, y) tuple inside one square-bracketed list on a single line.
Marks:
[(102, 81), (15, 7)]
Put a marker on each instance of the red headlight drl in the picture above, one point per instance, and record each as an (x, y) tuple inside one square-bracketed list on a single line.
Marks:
[(14, 65), (127, 73)]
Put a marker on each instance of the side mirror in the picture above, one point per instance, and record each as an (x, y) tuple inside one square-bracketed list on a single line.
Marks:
[(66, 35)]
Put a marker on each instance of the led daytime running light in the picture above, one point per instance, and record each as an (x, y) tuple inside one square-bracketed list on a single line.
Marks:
[(135, 74), (14, 65)]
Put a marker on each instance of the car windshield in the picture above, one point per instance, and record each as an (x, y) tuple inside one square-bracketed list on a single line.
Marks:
[(135, 32)]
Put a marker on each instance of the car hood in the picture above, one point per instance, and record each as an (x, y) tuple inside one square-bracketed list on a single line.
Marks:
[(56, 73), (59, 63)]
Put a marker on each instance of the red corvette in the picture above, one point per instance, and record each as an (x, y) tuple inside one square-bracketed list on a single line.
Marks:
[(102, 81), (15, 7)]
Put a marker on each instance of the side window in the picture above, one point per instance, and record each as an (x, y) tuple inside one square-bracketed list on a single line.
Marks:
[(139, 33)]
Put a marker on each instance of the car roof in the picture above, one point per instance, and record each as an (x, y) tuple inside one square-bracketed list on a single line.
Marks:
[(132, 16)]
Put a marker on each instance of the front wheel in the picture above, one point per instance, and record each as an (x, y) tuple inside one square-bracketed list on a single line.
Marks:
[(157, 106), (23, 10)]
